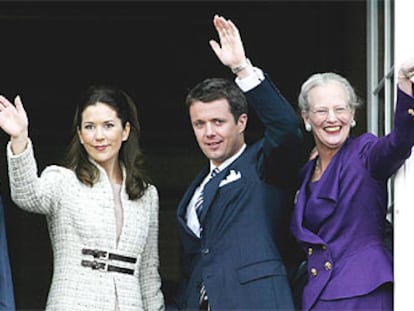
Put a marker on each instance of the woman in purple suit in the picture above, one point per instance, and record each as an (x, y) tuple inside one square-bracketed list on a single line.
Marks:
[(340, 212)]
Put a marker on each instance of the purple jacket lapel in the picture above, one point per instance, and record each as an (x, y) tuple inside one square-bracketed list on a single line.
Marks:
[(327, 190), (301, 233)]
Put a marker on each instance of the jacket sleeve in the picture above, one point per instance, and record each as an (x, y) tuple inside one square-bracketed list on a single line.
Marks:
[(149, 277), (386, 155), (278, 162), (28, 191)]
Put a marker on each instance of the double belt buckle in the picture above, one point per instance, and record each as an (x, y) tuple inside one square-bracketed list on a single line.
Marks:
[(103, 266), (95, 265), (96, 253)]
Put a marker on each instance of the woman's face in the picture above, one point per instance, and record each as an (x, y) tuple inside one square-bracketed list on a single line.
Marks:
[(329, 115), (102, 134)]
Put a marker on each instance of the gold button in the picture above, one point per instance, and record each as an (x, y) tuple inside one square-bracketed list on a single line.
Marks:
[(411, 112), (328, 266), (314, 272), (310, 251)]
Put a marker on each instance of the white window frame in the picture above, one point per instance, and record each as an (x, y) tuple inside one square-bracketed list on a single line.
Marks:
[(398, 46), (404, 181), (380, 81)]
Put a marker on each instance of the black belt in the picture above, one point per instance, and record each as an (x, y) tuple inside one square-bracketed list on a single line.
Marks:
[(106, 255), (102, 266)]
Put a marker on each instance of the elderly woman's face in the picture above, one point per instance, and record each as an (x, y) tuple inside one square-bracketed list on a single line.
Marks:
[(329, 115)]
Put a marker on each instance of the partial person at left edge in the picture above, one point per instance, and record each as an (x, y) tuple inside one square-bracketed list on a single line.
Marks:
[(6, 284), (101, 210)]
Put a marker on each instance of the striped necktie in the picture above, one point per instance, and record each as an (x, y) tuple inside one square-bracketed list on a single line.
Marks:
[(198, 207), (199, 203)]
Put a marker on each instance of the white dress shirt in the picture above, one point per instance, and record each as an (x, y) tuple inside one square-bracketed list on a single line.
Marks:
[(191, 215)]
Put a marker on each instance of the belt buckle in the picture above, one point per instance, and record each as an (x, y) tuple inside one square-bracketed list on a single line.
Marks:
[(100, 254), (100, 266)]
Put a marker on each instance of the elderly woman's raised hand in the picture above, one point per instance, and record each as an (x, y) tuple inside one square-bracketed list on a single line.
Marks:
[(406, 75), (14, 121)]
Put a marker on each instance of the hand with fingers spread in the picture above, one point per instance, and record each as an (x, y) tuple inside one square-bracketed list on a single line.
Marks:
[(230, 50), (14, 121)]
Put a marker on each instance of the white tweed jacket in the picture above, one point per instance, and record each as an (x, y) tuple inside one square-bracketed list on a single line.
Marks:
[(80, 216)]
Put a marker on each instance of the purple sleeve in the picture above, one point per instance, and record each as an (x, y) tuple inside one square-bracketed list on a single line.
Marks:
[(387, 154)]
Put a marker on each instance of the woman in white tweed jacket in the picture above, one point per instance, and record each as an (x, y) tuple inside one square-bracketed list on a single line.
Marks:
[(102, 213)]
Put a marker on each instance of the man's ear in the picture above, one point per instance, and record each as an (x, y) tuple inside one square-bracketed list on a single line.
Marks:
[(242, 122)]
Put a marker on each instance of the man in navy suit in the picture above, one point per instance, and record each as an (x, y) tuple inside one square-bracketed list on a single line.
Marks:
[(233, 219), (6, 287)]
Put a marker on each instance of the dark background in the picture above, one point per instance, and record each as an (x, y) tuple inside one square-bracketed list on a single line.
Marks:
[(51, 51)]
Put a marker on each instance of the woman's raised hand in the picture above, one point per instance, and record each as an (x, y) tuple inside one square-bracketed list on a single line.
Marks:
[(14, 121), (406, 76)]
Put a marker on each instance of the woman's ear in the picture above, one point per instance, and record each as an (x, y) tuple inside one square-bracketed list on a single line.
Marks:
[(305, 117), (79, 136), (126, 131)]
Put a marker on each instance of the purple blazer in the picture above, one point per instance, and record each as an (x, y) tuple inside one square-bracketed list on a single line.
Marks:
[(345, 250)]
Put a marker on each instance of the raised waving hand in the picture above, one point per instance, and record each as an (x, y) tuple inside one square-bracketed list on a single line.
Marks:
[(406, 76), (14, 121), (230, 50)]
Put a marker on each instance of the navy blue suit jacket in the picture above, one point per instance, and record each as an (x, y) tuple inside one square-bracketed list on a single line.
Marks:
[(6, 286), (245, 222)]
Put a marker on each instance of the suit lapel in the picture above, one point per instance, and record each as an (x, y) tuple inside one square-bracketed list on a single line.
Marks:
[(182, 206), (212, 187), (210, 191), (301, 232), (328, 187), (325, 195)]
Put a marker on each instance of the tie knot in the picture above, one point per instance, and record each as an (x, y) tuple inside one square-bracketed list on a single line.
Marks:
[(214, 172)]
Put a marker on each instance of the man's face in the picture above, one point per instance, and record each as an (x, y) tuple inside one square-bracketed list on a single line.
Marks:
[(217, 134)]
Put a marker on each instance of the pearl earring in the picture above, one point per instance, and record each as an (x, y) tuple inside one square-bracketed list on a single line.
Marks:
[(353, 123), (308, 127)]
